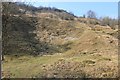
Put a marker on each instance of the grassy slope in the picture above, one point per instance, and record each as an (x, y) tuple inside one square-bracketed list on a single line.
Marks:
[(91, 54)]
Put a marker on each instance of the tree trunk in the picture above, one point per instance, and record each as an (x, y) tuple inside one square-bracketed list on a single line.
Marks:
[(2, 56)]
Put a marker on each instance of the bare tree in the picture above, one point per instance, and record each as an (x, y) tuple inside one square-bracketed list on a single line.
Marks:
[(91, 14), (8, 9), (84, 16), (107, 21)]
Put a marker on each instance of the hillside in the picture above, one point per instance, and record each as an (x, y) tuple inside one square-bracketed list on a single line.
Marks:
[(44, 44)]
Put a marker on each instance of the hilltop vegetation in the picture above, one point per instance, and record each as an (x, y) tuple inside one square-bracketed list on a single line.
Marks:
[(49, 42)]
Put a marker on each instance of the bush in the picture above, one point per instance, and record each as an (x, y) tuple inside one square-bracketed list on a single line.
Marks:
[(107, 21)]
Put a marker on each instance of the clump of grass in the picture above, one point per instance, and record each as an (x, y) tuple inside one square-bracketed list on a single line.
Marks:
[(89, 62), (105, 59)]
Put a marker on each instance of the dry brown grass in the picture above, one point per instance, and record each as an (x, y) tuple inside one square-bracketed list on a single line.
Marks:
[(85, 52)]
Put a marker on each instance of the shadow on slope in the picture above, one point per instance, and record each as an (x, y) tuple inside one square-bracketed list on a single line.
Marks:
[(19, 38)]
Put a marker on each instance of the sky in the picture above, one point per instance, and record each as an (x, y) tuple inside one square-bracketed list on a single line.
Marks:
[(101, 9)]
